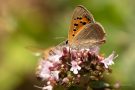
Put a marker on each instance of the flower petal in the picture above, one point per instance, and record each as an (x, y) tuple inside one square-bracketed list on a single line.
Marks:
[(49, 87), (109, 60), (75, 71)]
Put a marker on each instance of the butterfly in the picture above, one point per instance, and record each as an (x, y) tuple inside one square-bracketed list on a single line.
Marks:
[(84, 33)]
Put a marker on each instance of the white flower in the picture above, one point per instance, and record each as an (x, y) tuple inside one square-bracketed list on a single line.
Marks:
[(49, 87), (44, 69), (55, 58), (55, 74), (109, 60), (75, 67)]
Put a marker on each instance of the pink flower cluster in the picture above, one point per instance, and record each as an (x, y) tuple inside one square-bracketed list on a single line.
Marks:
[(67, 66)]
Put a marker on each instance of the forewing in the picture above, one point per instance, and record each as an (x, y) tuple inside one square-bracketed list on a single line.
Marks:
[(81, 17), (90, 36)]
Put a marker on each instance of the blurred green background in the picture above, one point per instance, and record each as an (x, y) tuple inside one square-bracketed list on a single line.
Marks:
[(38, 22)]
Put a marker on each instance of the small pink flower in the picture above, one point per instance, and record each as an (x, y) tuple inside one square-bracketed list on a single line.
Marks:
[(65, 80), (75, 67), (55, 74), (47, 64), (45, 71), (109, 60), (55, 58), (49, 87), (44, 75)]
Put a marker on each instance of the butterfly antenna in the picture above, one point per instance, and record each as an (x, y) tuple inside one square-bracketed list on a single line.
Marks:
[(59, 38)]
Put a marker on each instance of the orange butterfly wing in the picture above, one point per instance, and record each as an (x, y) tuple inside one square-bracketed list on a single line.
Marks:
[(84, 31), (81, 17)]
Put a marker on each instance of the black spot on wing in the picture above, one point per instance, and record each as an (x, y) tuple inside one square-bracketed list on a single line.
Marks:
[(73, 35), (79, 18), (74, 29), (83, 23), (75, 24)]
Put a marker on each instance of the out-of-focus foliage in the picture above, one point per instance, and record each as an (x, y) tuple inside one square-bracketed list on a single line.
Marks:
[(37, 22)]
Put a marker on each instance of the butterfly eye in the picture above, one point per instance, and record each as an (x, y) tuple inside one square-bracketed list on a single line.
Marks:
[(66, 41)]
